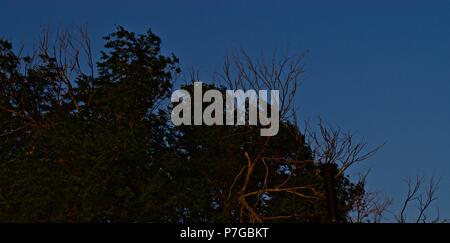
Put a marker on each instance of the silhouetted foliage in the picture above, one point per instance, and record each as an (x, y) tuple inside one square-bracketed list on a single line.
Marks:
[(85, 147)]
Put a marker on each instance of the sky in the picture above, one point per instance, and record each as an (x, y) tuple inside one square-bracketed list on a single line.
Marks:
[(377, 68)]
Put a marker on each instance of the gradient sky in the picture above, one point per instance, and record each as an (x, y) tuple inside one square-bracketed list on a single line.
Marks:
[(378, 68)]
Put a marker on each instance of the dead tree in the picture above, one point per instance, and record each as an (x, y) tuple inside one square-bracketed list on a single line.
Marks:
[(70, 52), (334, 146), (421, 196), (240, 71), (67, 54)]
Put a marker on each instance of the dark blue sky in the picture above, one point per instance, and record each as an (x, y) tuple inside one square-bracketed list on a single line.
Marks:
[(381, 69)]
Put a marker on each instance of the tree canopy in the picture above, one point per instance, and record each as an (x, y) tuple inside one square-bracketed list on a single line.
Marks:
[(98, 146)]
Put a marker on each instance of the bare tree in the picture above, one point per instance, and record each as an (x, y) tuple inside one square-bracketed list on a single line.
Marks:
[(241, 71), (71, 53), (66, 54), (332, 145), (421, 196), (375, 207)]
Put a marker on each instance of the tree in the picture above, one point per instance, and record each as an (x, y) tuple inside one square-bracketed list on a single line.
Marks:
[(231, 174), (86, 142), (79, 147)]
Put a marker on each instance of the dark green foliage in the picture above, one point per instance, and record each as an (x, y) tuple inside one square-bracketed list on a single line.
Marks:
[(101, 149)]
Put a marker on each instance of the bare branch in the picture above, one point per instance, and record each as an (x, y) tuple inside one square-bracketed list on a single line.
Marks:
[(241, 71), (331, 145), (422, 196)]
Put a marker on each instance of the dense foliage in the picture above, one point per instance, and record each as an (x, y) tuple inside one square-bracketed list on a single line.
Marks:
[(101, 148)]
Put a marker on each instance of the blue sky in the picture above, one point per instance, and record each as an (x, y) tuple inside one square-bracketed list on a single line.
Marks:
[(378, 68)]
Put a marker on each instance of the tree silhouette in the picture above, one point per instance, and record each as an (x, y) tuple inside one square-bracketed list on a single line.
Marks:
[(91, 142)]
